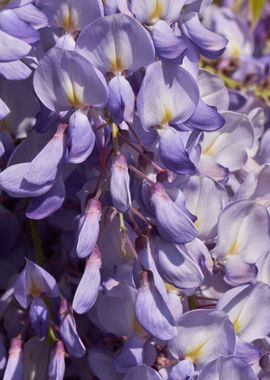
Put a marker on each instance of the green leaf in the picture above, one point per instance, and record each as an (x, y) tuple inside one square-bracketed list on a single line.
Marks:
[(256, 7)]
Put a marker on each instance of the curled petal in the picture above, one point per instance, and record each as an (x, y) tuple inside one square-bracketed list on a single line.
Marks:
[(68, 332), (56, 368), (39, 317), (88, 229), (87, 290), (167, 44), (121, 99), (210, 44), (205, 118), (15, 366), (12, 181), (173, 152), (45, 205), (81, 138), (176, 267), (47, 165), (14, 26), (172, 222), (152, 312), (119, 184)]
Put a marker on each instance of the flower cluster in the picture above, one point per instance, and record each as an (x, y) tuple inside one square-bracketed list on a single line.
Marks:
[(135, 190)]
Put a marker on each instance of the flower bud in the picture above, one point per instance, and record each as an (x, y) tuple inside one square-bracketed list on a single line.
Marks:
[(119, 184)]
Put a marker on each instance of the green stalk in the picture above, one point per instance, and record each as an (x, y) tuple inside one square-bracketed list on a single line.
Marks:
[(37, 242)]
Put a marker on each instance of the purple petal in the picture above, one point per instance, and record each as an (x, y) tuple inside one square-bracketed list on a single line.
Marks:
[(237, 272), (152, 312), (172, 85), (243, 230), (4, 110), (205, 118), (229, 145), (173, 153), (45, 205), (150, 11), (100, 362), (211, 44), (121, 99), (144, 252), (65, 79), (199, 335), (68, 332), (227, 367), (247, 351), (242, 305), (46, 166), (34, 281), (14, 26), (12, 48), (15, 70), (12, 181), (119, 184), (87, 290), (115, 311), (207, 209), (39, 317), (29, 13), (100, 41), (72, 16), (142, 372), (130, 355), (213, 90), (15, 366), (89, 221), (172, 222), (81, 138), (167, 44), (176, 267), (56, 370), (182, 371)]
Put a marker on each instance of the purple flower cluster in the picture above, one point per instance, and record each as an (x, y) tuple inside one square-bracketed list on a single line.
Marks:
[(135, 190)]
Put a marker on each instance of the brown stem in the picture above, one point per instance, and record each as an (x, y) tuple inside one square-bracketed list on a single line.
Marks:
[(140, 174)]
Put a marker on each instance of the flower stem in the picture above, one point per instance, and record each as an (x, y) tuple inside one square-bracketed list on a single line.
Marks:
[(37, 242)]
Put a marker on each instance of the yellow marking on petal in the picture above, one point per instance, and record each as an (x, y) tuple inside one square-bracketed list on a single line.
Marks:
[(34, 290), (167, 116), (235, 49), (73, 98), (157, 11), (117, 66), (197, 224), (195, 354), (209, 150), (170, 288), (237, 324), (68, 21), (234, 248)]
